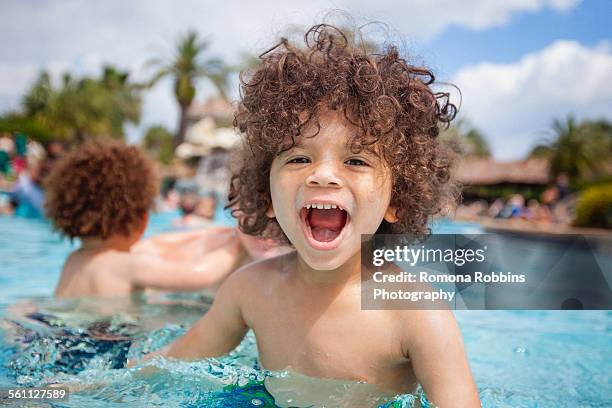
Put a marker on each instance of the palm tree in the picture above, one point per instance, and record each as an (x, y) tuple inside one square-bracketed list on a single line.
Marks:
[(38, 97), (568, 150), (580, 150), (123, 100), (63, 110), (158, 142), (185, 67), (86, 107), (476, 144)]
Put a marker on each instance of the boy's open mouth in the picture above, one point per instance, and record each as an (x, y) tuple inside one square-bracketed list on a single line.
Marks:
[(323, 224)]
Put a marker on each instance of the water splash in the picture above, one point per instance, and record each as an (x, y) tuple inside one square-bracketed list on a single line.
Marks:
[(90, 359)]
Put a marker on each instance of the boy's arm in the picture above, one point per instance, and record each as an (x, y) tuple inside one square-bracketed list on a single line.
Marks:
[(206, 239), (435, 346), (154, 272), (219, 331)]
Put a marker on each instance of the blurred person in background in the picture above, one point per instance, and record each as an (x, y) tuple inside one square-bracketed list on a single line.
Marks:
[(170, 197), (206, 207), (28, 191), (21, 148), (532, 211), (7, 147), (55, 149), (548, 201), (562, 185), (8, 204), (496, 208), (188, 205), (513, 208)]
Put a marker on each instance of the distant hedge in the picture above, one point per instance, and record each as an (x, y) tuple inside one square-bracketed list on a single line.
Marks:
[(594, 208)]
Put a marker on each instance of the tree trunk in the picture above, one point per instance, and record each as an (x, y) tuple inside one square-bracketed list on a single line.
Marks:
[(79, 137), (182, 128)]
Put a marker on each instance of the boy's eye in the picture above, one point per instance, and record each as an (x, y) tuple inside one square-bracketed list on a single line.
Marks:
[(299, 160), (356, 162)]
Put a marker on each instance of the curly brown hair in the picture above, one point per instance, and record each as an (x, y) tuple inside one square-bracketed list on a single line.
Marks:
[(101, 189), (390, 101)]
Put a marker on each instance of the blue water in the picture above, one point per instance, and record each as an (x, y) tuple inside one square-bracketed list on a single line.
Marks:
[(518, 358)]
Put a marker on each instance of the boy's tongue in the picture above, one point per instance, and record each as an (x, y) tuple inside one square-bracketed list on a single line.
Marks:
[(326, 224)]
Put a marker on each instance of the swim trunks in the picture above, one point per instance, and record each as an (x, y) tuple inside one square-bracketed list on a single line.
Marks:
[(74, 348), (255, 394)]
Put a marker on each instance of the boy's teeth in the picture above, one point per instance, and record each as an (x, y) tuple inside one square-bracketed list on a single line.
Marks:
[(323, 206)]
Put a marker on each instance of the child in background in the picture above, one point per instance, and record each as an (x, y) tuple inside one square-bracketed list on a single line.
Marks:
[(101, 193), (189, 204), (207, 205), (339, 143)]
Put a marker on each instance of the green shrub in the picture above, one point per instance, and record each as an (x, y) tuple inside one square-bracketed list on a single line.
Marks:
[(594, 208), (13, 123)]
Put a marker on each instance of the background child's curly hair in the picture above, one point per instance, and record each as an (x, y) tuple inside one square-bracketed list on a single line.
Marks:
[(388, 99), (100, 189)]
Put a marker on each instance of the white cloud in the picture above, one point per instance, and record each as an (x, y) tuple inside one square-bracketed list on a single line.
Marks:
[(426, 18), (81, 36), (514, 104)]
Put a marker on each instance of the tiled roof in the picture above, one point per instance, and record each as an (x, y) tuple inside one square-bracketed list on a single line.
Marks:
[(483, 171)]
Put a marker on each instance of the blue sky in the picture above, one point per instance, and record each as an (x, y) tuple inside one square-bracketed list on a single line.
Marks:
[(589, 23), (519, 63)]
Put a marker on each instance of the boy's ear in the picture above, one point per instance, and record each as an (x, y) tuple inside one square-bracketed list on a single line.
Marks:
[(145, 221), (391, 214), (270, 212)]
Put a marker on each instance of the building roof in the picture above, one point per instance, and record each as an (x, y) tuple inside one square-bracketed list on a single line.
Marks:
[(486, 171)]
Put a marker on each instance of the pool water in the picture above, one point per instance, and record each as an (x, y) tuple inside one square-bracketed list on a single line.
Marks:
[(518, 358)]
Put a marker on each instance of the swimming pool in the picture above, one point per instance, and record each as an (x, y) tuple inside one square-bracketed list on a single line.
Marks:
[(519, 358)]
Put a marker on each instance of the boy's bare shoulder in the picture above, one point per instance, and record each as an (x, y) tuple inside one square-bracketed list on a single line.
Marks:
[(247, 286), (107, 263), (425, 319), (262, 272), (86, 274), (120, 261), (421, 323), (113, 265), (417, 327)]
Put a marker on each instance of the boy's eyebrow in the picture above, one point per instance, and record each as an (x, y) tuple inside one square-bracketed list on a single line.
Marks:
[(368, 149), (298, 143)]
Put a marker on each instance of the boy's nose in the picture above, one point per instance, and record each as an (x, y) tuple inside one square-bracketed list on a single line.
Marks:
[(324, 175)]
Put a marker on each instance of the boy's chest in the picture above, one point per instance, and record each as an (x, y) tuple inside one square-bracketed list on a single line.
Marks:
[(330, 341)]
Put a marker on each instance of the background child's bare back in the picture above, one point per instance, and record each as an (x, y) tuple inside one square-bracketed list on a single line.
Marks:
[(106, 269), (90, 273)]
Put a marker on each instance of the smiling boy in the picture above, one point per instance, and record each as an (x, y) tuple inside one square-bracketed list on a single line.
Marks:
[(339, 143)]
